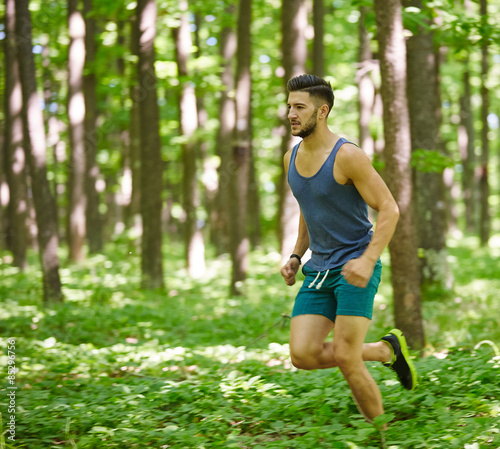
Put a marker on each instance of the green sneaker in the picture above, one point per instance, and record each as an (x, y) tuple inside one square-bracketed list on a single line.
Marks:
[(401, 362)]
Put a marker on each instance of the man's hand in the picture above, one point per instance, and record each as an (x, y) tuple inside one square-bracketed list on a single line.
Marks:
[(358, 272), (290, 270)]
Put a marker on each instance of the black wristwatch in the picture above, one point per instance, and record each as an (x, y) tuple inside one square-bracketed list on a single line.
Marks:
[(297, 257)]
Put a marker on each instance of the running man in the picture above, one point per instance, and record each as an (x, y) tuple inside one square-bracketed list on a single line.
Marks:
[(333, 181)]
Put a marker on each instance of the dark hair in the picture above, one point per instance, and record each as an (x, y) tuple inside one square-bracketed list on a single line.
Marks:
[(317, 87)]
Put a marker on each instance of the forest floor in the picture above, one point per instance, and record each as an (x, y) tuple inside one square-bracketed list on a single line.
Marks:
[(117, 367)]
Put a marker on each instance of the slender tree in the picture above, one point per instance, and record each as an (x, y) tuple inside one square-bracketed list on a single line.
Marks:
[(242, 150), (76, 116), (319, 36), (93, 217), (424, 108), (134, 150), (151, 162), (15, 166), (484, 188), (467, 154), (193, 238), (253, 207), (35, 148), (403, 247), (366, 87), (227, 118), (294, 54)]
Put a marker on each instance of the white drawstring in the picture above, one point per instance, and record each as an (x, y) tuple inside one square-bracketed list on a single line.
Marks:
[(312, 283), (323, 280), (316, 278)]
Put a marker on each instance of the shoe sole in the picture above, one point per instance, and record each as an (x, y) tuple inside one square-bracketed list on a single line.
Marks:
[(406, 354)]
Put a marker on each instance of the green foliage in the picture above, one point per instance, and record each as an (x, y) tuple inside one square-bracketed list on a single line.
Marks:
[(118, 367), (430, 161)]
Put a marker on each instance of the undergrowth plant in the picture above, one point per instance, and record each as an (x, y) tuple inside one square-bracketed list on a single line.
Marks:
[(190, 367)]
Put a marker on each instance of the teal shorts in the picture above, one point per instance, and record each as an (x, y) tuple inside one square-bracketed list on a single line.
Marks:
[(329, 294)]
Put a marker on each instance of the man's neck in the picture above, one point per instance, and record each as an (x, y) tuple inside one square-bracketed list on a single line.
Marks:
[(319, 140)]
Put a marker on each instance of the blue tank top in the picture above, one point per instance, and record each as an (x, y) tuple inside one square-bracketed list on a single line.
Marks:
[(336, 215)]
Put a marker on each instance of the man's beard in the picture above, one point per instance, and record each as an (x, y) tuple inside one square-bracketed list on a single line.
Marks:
[(309, 127)]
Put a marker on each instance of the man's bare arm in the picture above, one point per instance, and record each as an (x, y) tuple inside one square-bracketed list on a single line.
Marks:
[(356, 166), (290, 269)]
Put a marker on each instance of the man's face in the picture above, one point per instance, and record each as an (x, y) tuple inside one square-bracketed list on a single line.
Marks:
[(302, 113)]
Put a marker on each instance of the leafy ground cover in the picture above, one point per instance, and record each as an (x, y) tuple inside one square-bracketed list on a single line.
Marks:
[(117, 367)]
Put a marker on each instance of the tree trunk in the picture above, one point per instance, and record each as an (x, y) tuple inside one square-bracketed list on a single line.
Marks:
[(76, 116), (424, 108), (134, 151), (151, 162), (253, 209), (193, 238), (15, 166), (466, 146), (242, 151), (227, 114), (4, 187), (35, 148), (366, 88), (403, 247), (484, 188), (93, 217), (319, 34), (294, 54)]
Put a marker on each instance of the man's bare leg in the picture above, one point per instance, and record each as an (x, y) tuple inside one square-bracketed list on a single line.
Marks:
[(310, 351)]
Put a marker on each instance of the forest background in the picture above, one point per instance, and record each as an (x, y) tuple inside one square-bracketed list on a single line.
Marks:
[(144, 216)]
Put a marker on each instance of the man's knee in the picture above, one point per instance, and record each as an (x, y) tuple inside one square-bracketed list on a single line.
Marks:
[(304, 358), (347, 361)]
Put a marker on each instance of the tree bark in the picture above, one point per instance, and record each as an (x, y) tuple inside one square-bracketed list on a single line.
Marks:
[(253, 209), (319, 35), (403, 247), (134, 208), (242, 150), (366, 87), (151, 162), (75, 233), (227, 119), (193, 238), (15, 165), (425, 119), (93, 217), (466, 147), (35, 148), (294, 54), (484, 188)]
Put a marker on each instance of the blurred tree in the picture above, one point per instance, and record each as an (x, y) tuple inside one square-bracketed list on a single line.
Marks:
[(366, 87), (134, 150), (35, 148), (242, 150), (75, 224), (294, 56), (253, 208), (403, 247), (484, 188), (425, 119), (319, 36), (93, 217), (15, 166), (466, 147), (151, 162), (193, 237), (223, 147)]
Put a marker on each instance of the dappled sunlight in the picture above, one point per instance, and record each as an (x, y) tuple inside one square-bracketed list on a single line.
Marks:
[(193, 359)]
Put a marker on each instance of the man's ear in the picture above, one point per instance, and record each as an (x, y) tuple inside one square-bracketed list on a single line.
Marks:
[(323, 111)]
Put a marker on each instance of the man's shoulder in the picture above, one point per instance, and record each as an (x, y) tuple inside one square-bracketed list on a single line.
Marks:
[(349, 152), (288, 155)]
